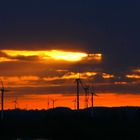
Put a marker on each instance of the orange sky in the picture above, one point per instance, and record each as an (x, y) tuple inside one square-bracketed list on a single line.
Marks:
[(33, 76), (41, 101)]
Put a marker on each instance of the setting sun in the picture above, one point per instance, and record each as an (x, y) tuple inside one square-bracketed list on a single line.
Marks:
[(51, 54)]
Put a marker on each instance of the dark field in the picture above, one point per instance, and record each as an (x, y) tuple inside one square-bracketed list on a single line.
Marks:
[(64, 123)]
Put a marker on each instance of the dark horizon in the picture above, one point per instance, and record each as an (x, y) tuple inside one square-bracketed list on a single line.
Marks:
[(44, 44)]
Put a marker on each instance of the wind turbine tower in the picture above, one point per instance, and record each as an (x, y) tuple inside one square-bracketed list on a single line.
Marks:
[(48, 102), (15, 103), (2, 99), (86, 89), (53, 102), (86, 95), (78, 93), (92, 93)]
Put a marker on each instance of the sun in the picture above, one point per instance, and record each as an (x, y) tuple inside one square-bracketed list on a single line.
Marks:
[(57, 55), (46, 55), (64, 55)]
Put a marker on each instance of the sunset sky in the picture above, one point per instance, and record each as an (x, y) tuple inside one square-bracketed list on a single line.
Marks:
[(45, 45)]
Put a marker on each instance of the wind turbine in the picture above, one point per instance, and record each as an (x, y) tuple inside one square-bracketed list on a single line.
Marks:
[(3, 90), (53, 102), (86, 89), (78, 93), (92, 91), (92, 98), (78, 90), (15, 103), (48, 102)]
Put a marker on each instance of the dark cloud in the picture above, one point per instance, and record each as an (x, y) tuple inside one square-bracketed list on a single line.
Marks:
[(21, 91), (122, 89), (71, 89)]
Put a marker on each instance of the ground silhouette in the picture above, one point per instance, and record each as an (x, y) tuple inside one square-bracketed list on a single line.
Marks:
[(63, 123)]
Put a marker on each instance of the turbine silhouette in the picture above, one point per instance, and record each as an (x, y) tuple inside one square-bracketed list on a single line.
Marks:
[(15, 103), (86, 89), (78, 90), (92, 98), (48, 103), (3, 90), (78, 93), (53, 102)]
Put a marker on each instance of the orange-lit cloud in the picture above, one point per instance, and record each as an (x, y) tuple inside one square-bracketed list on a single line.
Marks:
[(18, 78), (72, 75), (120, 83), (133, 76), (54, 80), (97, 56), (137, 70), (83, 75), (4, 59), (107, 76), (17, 81), (57, 55)]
